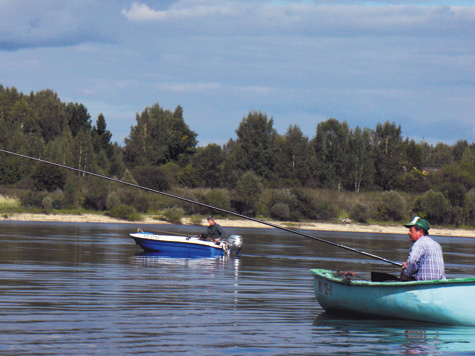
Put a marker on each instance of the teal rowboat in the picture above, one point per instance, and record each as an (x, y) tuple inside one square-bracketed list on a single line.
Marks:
[(449, 301)]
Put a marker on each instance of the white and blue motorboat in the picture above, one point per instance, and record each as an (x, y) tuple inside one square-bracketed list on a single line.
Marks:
[(193, 246)]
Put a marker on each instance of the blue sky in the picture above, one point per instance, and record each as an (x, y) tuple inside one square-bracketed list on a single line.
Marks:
[(300, 62)]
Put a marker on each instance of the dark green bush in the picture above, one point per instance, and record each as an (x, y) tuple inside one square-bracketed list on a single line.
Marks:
[(50, 178), (196, 219), (413, 182), (326, 211), (33, 199), (95, 197), (125, 212), (153, 177), (191, 208), (280, 211), (219, 198), (471, 207), (307, 205), (392, 206), (174, 215), (454, 193), (435, 207), (360, 213)]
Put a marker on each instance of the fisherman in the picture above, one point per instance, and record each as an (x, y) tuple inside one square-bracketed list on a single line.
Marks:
[(425, 260), (214, 232)]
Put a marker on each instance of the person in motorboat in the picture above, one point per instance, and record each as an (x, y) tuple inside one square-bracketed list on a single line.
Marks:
[(214, 231), (425, 260)]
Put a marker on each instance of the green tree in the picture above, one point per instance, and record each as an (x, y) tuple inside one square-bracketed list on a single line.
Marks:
[(459, 149), (359, 160), (160, 136), (294, 158), (426, 151), (50, 113), (78, 118), (441, 155), (22, 116), (231, 172), (388, 154), (83, 156), (330, 145), (255, 145), (208, 165), (463, 172), (413, 156), (414, 181), (248, 192), (102, 137), (8, 98)]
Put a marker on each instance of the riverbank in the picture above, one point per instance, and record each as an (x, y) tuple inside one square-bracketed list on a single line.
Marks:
[(316, 226)]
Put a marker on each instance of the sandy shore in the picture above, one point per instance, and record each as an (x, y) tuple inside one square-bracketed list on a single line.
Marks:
[(353, 227)]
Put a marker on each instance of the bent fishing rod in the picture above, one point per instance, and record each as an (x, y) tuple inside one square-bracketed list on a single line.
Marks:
[(206, 206)]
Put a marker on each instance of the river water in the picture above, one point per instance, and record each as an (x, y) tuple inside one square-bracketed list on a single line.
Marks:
[(83, 289)]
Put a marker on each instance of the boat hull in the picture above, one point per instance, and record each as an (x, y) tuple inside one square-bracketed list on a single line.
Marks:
[(445, 302), (177, 245)]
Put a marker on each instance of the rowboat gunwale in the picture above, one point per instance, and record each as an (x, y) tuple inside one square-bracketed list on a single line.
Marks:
[(328, 274)]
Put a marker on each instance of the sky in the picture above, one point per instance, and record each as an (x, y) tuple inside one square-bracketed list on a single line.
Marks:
[(299, 62)]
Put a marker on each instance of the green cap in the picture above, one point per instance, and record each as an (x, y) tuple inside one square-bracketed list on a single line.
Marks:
[(419, 222)]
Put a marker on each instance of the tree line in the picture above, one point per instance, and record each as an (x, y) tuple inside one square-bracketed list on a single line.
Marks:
[(258, 172)]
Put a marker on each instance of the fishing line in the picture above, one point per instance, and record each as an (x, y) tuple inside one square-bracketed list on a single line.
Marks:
[(207, 206)]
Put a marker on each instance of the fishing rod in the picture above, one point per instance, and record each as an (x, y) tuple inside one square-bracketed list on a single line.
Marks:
[(206, 206)]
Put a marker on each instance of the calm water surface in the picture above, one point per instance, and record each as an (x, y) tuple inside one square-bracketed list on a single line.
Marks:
[(78, 289)]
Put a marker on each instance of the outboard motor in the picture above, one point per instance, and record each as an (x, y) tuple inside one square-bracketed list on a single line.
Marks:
[(234, 244)]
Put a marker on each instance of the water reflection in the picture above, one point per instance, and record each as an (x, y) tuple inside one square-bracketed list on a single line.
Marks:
[(161, 260), (414, 338)]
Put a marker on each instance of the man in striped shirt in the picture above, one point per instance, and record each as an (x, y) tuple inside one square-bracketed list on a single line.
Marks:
[(425, 261)]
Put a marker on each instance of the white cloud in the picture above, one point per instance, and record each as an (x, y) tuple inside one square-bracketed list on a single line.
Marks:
[(141, 12), (179, 11), (189, 87), (51, 23), (306, 18)]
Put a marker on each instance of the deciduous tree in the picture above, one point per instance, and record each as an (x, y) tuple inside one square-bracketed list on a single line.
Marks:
[(160, 136), (294, 158), (255, 145), (359, 160), (388, 154), (330, 146)]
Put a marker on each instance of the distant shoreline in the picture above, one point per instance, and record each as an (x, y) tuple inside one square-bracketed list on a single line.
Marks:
[(320, 226)]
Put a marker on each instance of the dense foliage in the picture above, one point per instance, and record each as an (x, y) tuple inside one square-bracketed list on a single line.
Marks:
[(261, 172)]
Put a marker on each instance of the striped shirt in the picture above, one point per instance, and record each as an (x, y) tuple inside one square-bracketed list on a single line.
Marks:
[(425, 261)]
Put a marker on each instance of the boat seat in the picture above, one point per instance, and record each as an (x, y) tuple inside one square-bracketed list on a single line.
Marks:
[(383, 277)]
